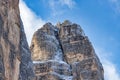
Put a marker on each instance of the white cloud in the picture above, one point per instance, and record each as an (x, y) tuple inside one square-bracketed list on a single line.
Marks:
[(56, 6), (110, 69), (30, 20), (115, 5), (69, 3)]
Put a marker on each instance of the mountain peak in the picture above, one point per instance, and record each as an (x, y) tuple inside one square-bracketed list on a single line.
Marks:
[(67, 54)]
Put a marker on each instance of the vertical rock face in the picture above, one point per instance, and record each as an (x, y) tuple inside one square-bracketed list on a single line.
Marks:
[(79, 53), (45, 45), (15, 59), (63, 52)]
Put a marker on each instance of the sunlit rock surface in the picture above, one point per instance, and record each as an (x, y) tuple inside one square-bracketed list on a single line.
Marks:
[(63, 52), (15, 58)]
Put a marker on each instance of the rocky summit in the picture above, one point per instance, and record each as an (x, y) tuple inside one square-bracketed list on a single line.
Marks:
[(63, 52)]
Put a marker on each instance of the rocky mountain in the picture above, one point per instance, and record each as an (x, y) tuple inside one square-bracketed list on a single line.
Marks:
[(60, 52), (15, 56), (63, 52)]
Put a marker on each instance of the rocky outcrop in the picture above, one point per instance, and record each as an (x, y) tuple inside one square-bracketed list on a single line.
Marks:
[(63, 52), (15, 58)]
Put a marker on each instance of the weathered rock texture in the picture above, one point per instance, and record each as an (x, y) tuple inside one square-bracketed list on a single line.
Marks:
[(15, 58), (63, 52)]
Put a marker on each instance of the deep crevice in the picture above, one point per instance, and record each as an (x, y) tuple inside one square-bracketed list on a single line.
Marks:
[(58, 38), (60, 44)]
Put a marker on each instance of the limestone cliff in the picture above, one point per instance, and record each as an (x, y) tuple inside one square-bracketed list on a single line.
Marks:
[(15, 58), (63, 52), (60, 52)]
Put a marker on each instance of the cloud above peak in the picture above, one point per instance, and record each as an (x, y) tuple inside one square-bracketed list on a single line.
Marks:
[(57, 6), (115, 4), (69, 3)]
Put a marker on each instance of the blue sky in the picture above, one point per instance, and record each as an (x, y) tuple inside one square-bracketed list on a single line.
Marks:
[(100, 20)]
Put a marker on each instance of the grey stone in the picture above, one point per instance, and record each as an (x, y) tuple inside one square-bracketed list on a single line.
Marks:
[(64, 53), (15, 56)]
